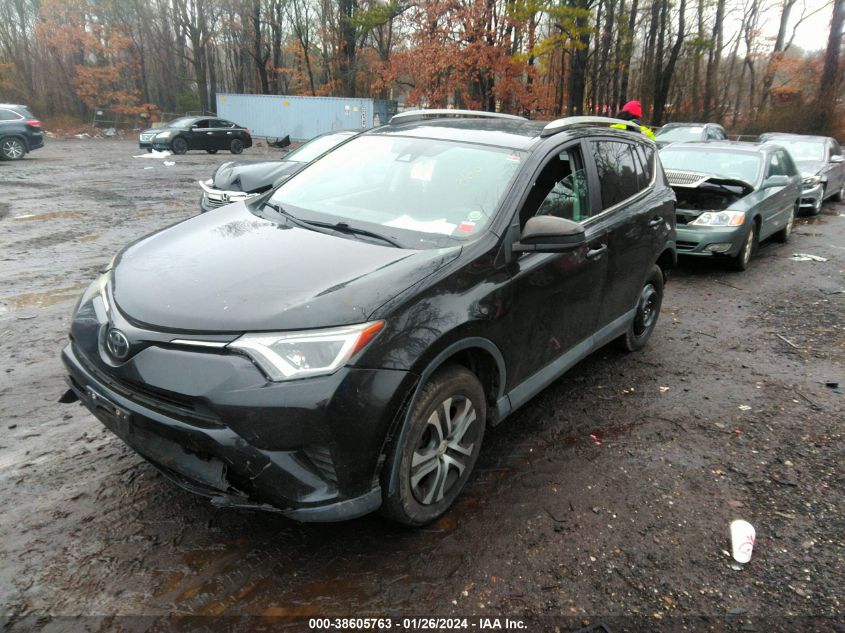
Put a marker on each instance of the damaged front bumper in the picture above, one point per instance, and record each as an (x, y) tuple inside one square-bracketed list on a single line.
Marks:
[(709, 241), (812, 197), (309, 449)]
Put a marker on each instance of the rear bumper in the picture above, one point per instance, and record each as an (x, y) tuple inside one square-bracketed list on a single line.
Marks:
[(709, 241), (309, 450)]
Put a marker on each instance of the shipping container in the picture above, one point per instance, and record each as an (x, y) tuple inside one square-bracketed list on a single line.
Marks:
[(303, 118)]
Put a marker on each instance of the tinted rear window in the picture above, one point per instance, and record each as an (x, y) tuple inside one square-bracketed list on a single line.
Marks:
[(619, 172)]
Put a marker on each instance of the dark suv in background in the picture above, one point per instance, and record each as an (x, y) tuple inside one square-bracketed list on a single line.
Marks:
[(20, 132), (342, 343)]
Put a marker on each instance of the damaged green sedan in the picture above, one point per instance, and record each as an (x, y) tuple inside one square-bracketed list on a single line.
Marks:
[(731, 196)]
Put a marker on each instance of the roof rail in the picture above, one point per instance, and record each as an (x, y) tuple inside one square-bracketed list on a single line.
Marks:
[(418, 115), (565, 123)]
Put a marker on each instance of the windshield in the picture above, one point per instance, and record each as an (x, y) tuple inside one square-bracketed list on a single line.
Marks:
[(182, 122), (316, 146), (741, 165), (685, 133), (405, 185), (801, 150)]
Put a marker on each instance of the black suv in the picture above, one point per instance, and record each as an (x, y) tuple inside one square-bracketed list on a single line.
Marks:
[(342, 342), (20, 132)]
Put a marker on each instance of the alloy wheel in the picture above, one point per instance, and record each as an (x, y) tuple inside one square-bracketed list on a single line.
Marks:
[(12, 149), (646, 309), (443, 450)]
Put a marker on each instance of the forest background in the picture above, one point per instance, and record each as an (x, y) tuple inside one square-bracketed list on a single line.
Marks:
[(733, 61)]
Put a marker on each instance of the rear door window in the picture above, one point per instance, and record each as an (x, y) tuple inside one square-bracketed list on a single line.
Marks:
[(620, 174), (8, 115)]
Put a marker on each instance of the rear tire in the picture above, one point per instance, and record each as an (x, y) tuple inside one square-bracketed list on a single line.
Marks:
[(783, 235), (740, 262), (236, 146), (12, 148), (646, 313), (436, 450), (179, 145)]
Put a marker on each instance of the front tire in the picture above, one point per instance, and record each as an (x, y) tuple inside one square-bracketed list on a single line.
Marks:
[(817, 208), (741, 261), (179, 145), (783, 235), (434, 454), (646, 312), (236, 146), (840, 195), (12, 148)]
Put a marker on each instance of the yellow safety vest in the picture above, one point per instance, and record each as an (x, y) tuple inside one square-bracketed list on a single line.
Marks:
[(644, 129)]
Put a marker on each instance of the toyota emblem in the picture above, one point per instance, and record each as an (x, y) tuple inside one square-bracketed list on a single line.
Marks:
[(117, 344)]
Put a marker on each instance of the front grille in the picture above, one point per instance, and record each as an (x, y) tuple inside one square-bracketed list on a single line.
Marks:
[(321, 457), (685, 246), (684, 178), (160, 400), (214, 202)]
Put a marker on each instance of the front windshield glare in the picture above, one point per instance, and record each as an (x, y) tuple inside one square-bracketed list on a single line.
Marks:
[(423, 185), (741, 165), (685, 133), (181, 123), (802, 150), (313, 148)]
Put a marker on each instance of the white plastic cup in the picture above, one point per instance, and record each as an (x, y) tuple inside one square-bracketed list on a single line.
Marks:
[(742, 540)]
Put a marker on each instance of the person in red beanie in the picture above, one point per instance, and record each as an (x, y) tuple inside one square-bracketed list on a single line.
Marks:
[(633, 111)]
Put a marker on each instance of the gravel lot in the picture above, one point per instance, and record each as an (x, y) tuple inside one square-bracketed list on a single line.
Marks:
[(719, 418)]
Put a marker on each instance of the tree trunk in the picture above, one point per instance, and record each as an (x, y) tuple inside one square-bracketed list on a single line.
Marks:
[(831, 77)]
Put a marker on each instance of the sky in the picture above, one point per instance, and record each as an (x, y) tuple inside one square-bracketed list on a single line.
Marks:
[(812, 34)]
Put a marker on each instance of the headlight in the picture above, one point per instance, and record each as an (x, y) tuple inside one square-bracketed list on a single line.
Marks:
[(720, 218), (292, 355), (165, 134), (811, 181), (97, 287), (209, 182)]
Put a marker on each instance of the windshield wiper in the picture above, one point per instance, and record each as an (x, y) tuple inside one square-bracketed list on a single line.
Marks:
[(290, 216), (343, 227)]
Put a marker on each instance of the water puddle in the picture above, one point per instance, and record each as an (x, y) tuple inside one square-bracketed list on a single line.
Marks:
[(41, 299), (40, 217)]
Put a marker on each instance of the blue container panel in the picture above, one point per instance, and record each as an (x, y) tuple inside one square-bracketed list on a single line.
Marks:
[(275, 116)]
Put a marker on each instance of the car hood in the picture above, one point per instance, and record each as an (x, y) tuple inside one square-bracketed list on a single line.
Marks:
[(231, 271), (251, 176), (694, 180), (809, 167)]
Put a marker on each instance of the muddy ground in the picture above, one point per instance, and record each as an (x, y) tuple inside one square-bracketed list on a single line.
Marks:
[(719, 418)]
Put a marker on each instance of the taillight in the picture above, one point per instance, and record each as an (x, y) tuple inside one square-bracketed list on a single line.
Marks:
[(34, 123)]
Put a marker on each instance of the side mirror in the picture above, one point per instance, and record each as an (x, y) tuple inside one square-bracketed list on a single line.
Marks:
[(775, 181), (550, 234), (837, 158)]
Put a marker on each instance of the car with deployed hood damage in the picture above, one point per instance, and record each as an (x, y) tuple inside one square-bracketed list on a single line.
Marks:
[(342, 342), (239, 180), (689, 132), (730, 196), (822, 166)]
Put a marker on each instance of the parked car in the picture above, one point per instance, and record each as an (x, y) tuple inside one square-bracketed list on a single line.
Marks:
[(342, 342), (688, 132), (731, 196), (193, 132), (239, 180), (20, 132), (821, 164)]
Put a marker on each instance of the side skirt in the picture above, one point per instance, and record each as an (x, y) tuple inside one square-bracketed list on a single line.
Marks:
[(534, 384)]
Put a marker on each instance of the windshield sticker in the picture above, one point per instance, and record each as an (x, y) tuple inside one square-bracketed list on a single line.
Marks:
[(423, 170), (441, 226), (466, 227), (514, 157), (475, 216)]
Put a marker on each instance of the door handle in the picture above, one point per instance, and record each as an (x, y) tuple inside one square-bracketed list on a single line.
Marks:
[(595, 253), (655, 222), (209, 133)]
